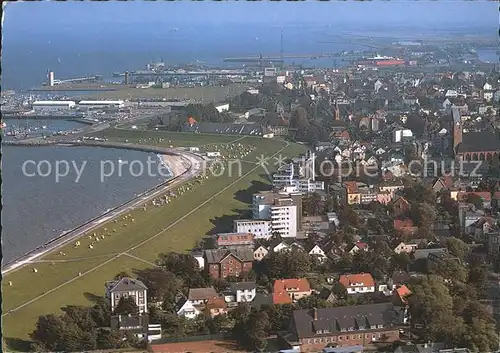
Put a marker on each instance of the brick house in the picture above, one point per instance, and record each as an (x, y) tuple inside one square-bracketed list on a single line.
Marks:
[(400, 206), (221, 263), (312, 330)]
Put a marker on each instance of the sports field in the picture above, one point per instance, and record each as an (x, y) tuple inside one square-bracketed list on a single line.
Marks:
[(70, 276)]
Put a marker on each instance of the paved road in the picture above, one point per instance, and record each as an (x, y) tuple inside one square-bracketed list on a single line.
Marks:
[(147, 240)]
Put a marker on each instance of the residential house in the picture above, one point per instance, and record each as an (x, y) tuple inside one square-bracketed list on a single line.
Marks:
[(437, 259), (397, 279), (391, 186), (215, 306), (188, 310), (137, 325), (400, 299), (405, 226), (229, 240), (358, 246), (344, 326), (420, 254), (221, 263), (240, 292), (199, 257), (493, 239), (352, 192), (127, 287), (358, 283), (485, 196), (405, 247), (198, 297), (384, 197), (317, 252), (400, 206), (279, 244), (480, 228), (286, 291), (400, 296), (260, 253)]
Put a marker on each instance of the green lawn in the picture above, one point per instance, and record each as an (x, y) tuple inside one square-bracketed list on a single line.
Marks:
[(209, 94), (176, 139), (179, 234)]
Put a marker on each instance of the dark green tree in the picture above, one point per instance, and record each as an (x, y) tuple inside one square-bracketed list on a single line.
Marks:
[(126, 306), (109, 339)]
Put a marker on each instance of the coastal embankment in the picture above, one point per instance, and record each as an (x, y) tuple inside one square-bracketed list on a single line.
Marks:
[(183, 165)]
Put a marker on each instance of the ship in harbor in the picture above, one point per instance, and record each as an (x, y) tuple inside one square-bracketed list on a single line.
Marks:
[(382, 61)]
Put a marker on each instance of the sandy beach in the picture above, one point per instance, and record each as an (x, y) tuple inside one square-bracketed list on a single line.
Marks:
[(176, 164)]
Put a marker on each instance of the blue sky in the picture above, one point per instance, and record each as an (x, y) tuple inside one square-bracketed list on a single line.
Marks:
[(49, 15)]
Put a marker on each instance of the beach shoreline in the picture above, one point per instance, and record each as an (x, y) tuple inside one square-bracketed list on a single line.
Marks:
[(176, 164), (182, 168)]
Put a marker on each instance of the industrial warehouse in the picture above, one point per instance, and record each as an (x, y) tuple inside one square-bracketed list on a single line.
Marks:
[(68, 105)]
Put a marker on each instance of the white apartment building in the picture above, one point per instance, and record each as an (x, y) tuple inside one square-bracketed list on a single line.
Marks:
[(260, 228), (283, 209), (299, 174), (127, 287)]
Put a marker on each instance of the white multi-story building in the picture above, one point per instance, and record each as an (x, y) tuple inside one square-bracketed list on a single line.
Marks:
[(283, 209), (127, 287), (260, 228), (299, 174)]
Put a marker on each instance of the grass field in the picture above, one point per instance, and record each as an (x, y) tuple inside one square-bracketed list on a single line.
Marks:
[(206, 94), (208, 208), (176, 139)]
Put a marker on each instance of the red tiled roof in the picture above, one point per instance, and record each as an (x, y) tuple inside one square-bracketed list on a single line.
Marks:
[(216, 303), (357, 280), (281, 298), (462, 196), (403, 223), (403, 292), (351, 186), (361, 245), (290, 285)]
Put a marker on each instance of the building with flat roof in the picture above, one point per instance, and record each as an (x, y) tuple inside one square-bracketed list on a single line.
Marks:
[(283, 209), (260, 228), (53, 105), (102, 104)]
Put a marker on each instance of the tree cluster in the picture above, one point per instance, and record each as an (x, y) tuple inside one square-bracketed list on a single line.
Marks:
[(451, 313), (206, 113), (81, 328)]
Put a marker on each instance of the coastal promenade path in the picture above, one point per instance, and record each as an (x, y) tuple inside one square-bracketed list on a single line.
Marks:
[(195, 167), (194, 171)]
